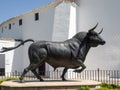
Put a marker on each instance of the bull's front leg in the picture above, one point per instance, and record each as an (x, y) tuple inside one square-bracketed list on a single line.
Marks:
[(82, 67), (63, 74)]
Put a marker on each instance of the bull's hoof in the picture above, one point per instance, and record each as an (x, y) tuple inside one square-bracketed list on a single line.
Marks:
[(41, 80), (63, 79), (21, 81)]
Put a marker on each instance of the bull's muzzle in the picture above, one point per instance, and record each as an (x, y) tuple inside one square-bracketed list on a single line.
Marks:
[(103, 42)]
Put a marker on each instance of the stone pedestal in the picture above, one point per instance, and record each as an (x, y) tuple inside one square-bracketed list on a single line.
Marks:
[(48, 85)]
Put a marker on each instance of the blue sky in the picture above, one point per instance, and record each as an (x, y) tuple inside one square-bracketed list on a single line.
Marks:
[(11, 8)]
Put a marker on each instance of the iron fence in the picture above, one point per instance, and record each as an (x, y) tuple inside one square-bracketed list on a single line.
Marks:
[(106, 76)]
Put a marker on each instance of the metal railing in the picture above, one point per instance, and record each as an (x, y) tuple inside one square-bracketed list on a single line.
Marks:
[(106, 76)]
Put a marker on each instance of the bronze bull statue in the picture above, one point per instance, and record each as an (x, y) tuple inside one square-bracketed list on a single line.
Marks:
[(69, 54)]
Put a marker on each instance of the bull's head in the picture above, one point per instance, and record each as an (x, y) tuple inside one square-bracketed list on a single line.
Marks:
[(94, 38)]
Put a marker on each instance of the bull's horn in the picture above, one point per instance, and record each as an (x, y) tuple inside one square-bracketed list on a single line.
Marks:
[(94, 27), (100, 31)]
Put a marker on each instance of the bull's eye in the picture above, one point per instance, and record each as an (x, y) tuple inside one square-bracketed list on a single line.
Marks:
[(95, 35)]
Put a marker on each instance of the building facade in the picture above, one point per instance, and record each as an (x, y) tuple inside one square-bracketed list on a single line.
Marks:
[(58, 21), (48, 22)]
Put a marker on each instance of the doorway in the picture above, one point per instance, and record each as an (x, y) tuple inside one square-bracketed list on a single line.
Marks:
[(2, 64)]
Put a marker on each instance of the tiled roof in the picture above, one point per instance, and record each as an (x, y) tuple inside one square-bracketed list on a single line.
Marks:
[(7, 39)]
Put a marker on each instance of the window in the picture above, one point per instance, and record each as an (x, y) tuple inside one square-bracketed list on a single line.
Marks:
[(20, 22), (9, 26), (36, 16)]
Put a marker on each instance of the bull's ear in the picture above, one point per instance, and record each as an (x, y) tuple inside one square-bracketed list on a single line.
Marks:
[(92, 29), (88, 33)]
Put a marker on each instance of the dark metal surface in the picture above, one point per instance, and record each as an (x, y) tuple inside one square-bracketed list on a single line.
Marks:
[(68, 54)]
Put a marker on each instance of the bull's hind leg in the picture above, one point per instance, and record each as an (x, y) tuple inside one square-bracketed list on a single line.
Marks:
[(40, 55), (63, 74), (37, 75), (30, 67)]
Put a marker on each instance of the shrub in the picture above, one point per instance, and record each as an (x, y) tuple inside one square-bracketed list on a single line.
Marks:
[(110, 86), (105, 86), (103, 89), (1, 81), (83, 88)]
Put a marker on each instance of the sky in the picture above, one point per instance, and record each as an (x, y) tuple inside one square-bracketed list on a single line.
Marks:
[(11, 8)]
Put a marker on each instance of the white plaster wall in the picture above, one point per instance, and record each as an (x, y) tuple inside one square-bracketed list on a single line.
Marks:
[(72, 32), (72, 22), (8, 55), (17, 59), (15, 31), (61, 22), (55, 23), (37, 30), (106, 12), (41, 29), (12, 58)]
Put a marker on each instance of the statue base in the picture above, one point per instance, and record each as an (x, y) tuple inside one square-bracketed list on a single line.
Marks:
[(48, 85)]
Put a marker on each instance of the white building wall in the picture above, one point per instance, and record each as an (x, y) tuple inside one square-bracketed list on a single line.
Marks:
[(106, 12), (41, 29), (17, 59), (37, 30), (61, 22), (12, 60), (72, 21), (15, 32), (55, 23), (72, 31)]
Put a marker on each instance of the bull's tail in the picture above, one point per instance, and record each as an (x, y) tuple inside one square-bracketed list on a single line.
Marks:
[(5, 49)]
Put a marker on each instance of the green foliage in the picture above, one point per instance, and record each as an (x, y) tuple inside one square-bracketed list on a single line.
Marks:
[(1, 81), (115, 86), (110, 86), (83, 88), (103, 89), (8, 79), (105, 86)]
